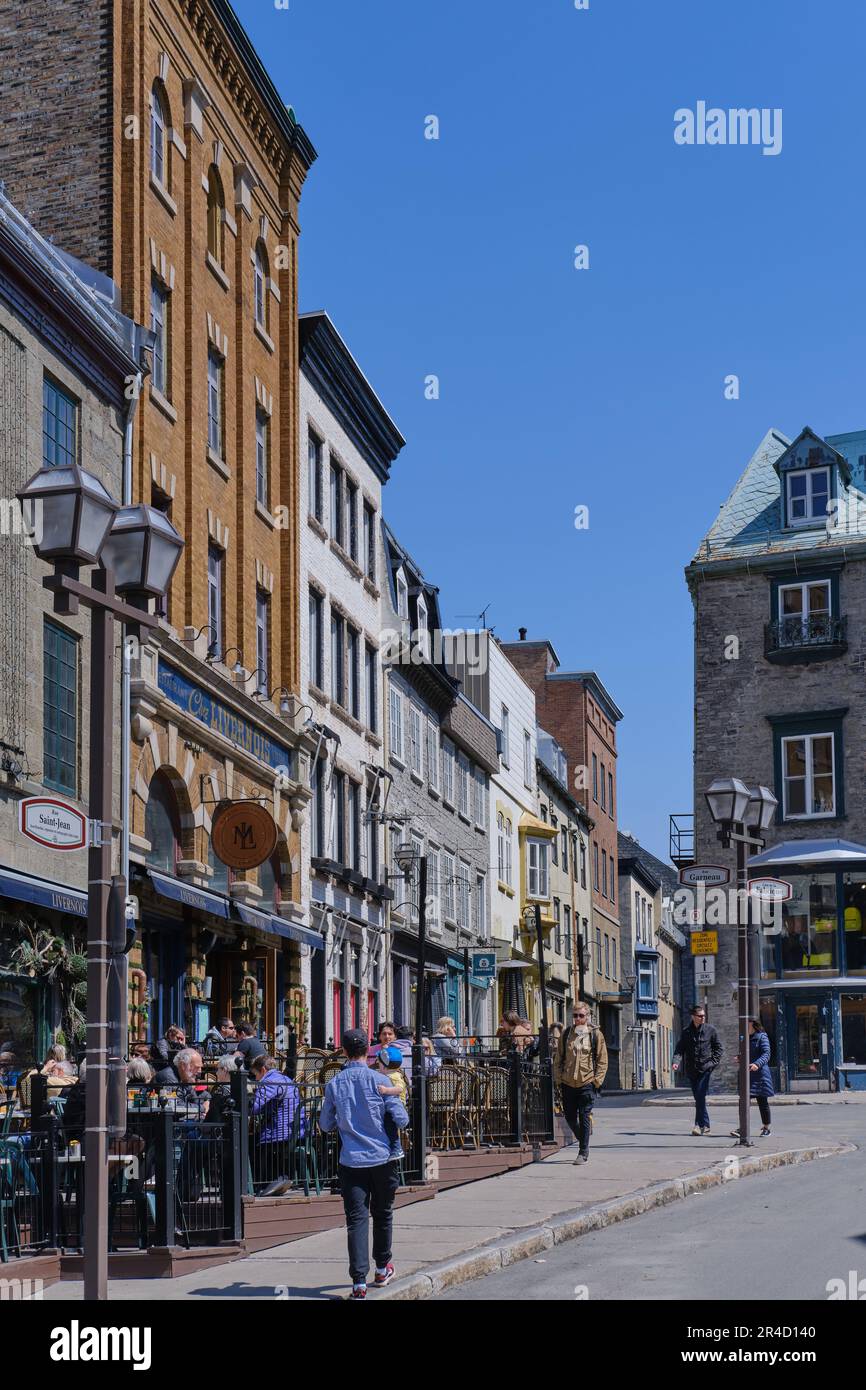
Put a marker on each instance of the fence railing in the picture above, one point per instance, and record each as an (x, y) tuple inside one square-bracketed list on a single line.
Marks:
[(189, 1156)]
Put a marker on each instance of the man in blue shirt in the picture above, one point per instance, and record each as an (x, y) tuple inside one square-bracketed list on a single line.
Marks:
[(369, 1159)]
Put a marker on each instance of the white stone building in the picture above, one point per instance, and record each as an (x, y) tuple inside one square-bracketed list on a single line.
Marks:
[(348, 444)]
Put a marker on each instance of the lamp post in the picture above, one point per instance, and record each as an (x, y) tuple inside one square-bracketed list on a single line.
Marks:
[(407, 858), (532, 918), (138, 550), (742, 815)]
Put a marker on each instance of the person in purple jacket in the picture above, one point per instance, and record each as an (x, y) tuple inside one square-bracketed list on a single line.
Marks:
[(275, 1103)]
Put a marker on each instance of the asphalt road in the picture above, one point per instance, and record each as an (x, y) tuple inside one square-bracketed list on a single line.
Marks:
[(799, 1227)]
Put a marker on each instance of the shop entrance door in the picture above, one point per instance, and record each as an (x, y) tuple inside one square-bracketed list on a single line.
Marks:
[(809, 1040)]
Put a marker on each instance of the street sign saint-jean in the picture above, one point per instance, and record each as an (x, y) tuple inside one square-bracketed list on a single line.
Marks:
[(52, 823)]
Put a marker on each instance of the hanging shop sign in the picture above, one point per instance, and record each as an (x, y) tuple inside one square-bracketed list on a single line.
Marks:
[(243, 834), (53, 824)]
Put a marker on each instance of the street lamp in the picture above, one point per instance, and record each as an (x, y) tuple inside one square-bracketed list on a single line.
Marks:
[(406, 857), (532, 919), (743, 815), (79, 523)]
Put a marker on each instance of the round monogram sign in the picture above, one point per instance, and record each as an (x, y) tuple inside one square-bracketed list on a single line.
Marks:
[(243, 834)]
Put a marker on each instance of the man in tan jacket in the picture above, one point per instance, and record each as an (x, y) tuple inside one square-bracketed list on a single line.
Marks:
[(579, 1068)]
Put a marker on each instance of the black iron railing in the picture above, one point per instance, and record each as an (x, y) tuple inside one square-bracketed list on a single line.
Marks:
[(799, 633)]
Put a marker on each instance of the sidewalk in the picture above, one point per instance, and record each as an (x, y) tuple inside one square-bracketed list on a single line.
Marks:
[(634, 1147)]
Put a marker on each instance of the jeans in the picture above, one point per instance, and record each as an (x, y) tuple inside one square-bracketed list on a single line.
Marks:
[(700, 1085), (577, 1102), (369, 1192)]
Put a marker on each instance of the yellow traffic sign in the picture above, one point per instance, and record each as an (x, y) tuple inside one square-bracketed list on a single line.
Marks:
[(705, 943)]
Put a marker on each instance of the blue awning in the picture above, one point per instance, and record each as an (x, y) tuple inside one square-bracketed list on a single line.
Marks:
[(26, 889), (185, 893), (278, 926)]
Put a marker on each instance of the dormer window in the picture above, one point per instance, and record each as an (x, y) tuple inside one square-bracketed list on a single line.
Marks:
[(422, 636), (808, 492), (402, 594)]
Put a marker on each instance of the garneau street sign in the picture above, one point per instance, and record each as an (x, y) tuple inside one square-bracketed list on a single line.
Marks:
[(712, 875), (52, 823), (770, 890)]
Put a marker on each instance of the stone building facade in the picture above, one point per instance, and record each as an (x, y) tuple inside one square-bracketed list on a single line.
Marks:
[(778, 586), (182, 175), (654, 951), (66, 356), (440, 754), (349, 444)]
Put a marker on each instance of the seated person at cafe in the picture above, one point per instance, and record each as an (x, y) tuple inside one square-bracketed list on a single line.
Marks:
[(249, 1046), (275, 1103), (140, 1049), (221, 1039), (221, 1098), (182, 1075), (9, 1072), (139, 1072), (56, 1064), (166, 1049)]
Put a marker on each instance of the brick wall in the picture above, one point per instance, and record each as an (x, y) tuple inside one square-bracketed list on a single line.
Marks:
[(56, 132)]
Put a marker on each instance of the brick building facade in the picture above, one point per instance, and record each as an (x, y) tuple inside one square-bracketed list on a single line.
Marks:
[(182, 174)]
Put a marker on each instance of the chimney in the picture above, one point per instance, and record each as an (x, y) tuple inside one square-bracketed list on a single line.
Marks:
[(522, 633)]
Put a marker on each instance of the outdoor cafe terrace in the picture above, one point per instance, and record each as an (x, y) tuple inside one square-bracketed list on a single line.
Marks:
[(194, 1163)]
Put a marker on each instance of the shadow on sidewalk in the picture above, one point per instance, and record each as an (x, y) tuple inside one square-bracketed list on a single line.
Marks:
[(330, 1293)]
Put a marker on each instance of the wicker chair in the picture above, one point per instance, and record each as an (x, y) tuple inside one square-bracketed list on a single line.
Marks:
[(444, 1092), (494, 1105)]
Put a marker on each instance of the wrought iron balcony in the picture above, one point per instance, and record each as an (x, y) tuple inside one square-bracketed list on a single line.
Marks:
[(818, 637)]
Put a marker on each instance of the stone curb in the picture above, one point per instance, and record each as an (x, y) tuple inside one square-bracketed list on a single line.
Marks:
[(567, 1225), (825, 1098)]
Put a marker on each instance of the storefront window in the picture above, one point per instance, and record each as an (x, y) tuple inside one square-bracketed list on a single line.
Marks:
[(855, 927), (854, 1029), (809, 926), (18, 1025)]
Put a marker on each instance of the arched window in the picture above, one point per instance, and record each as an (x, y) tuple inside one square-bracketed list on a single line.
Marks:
[(160, 124), (162, 825), (215, 207), (271, 884), (221, 877), (261, 286)]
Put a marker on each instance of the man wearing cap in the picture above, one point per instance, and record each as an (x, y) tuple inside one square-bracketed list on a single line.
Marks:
[(369, 1176)]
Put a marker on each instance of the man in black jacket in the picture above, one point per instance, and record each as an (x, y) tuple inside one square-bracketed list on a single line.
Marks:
[(701, 1051)]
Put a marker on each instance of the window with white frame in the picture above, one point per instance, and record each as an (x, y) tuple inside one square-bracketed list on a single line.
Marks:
[(433, 755), (351, 527), (809, 781), (159, 124), (314, 461), (463, 895), (539, 874), (463, 772), (353, 653), (638, 921), (422, 635), (260, 285), (448, 887), (480, 905), (646, 979), (338, 658), (500, 847), (509, 853), (336, 496), (448, 771), (807, 492), (480, 799), (402, 594), (395, 724), (505, 751), (216, 596), (804, 612), (369, 542), (527, 758), (371, 683), (416, 755), (564, 837), (434, 895)]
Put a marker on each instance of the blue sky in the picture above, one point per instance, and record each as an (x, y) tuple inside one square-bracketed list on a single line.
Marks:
[(602, 387)]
